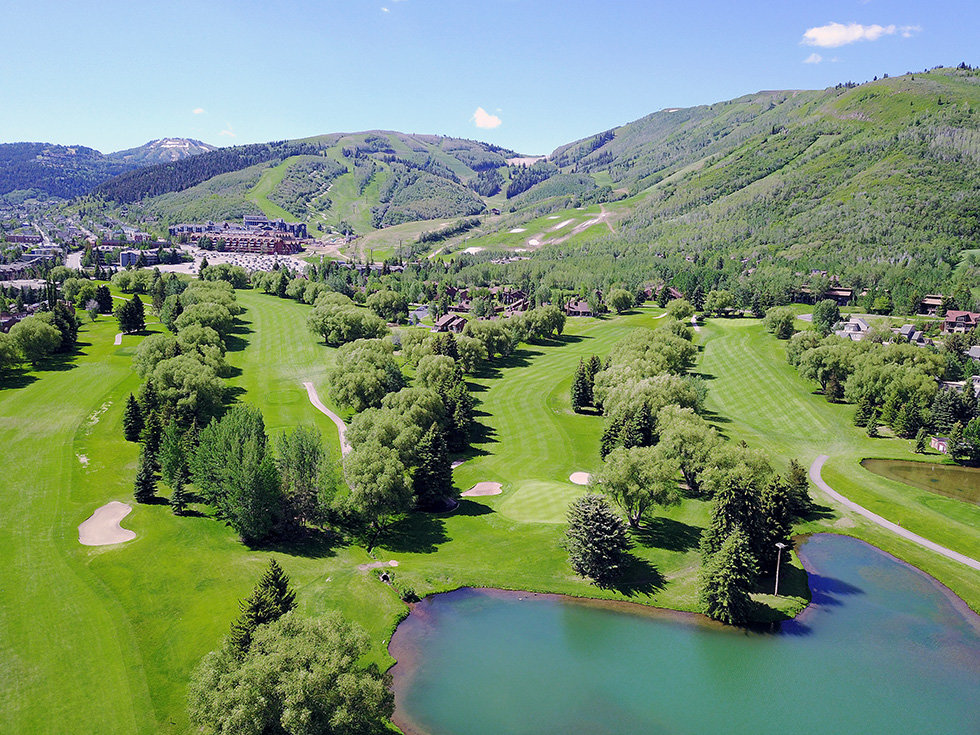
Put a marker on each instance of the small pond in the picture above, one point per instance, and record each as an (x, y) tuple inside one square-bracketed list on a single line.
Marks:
[(962, 483), (882, 649)]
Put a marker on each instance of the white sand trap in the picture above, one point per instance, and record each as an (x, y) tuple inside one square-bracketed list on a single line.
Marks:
[(83, 459), (518, 229), (483, 488), (457, 463), (566, 223), (579, 478), (102, 527), (533, 242), (473, 251), (376, 565), (118, 339), (554, 216)]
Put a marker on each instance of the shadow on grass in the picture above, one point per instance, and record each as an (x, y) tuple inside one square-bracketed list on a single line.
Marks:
[(819, 512), (518, 358), (639, 577), (417, 533), (668, 534), (16, 378), (480, 433), (309, 543), (471, 508)]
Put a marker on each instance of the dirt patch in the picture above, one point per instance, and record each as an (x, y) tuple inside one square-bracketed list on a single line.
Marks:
[(561, 225), (579, 478), (376, 565), (533, 242), (518, 229), (473, 251), (102, 527), (83, 459), (525, 160), (483, 488)]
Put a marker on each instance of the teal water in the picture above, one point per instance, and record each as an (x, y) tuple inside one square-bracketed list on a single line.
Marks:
[(962, 483), (881, 649)]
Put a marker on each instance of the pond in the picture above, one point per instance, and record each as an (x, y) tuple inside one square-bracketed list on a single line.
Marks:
[(962, 483), (881, 649)]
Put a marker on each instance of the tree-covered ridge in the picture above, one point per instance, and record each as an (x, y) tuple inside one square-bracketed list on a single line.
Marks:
[(57, 170), (306, 182), (410, 195)]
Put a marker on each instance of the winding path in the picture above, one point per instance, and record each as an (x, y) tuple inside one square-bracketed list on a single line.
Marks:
[(815, 468), (341, 426)]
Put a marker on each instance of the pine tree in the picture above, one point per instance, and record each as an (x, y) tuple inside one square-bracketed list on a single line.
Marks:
[(873, 424), (920, 442), (863, 412), (581, 393), (798, 488), (269, 600), (727, 579), (132, 420), (178, 499), (697, 297), (956, 442), (663, 297), (145, 485), (149, 398), (908, 421), (150, 438), (433, 479), (632, 433), (172, 456), (596, 540)]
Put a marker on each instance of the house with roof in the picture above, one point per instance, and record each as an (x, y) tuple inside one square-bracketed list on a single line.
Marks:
[(973, 353), (449, 323), (577, 307), (908, 333), (853, 329), (960, 321), (930, 304), (940, 444)]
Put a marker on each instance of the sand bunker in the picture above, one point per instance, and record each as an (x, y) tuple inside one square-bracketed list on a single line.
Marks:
[(83, 459), (566, 223), (457, 463), (102, 527), (473, 251), (118, 339), (554, 216), (483, 488), (533, 242), (579, 478), (518, 229), (376, 565)]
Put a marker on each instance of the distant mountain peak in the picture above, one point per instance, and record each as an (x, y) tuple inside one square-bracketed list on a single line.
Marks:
[(162, 150)]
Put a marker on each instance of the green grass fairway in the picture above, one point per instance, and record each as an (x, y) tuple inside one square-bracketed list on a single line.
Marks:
[(757, 396), (539, 501)]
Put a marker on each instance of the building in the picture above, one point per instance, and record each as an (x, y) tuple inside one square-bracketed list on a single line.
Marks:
[(449, 323), (25, 239), (577, 307), (930, 304), (854, 329), (131, 257), (960, 321), (940, 444)]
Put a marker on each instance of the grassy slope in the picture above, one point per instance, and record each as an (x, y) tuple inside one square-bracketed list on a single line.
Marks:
[(259, 193), (758, 397)]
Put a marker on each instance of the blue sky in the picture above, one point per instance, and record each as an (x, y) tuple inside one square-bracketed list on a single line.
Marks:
[(523, 74)]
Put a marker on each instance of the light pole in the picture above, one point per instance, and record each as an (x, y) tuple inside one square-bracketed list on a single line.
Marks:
[(779, 555)]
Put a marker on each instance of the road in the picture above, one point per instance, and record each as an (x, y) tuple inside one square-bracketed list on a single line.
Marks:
[(815, 468)]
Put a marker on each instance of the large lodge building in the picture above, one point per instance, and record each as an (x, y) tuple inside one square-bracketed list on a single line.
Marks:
[(256, 234)]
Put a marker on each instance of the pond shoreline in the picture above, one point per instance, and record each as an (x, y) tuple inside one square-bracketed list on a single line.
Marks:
[(407, 655)]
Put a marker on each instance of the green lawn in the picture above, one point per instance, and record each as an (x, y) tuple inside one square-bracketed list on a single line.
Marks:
[(103, 639), (757, 396)]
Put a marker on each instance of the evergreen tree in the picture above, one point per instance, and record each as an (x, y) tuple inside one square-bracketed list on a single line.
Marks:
[(727, 579), (945, 410), (132, 420), (433, 479), (581, 392), (956, 442), (863, 412), (149, 398), (150, 438), (145, 485), (269, 600), (736, 507), (459, 407), (920, 442), (104, 297), (798, 488), (873, 424), (908, 421), (610, 436), (172, 456), (663, 297), (282, 284), (632, 432), (596, 540), (178, 499), (697, 297)]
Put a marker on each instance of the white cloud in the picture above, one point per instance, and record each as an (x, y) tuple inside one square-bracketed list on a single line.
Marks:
[(813, 59), (385, 10), (484, 119), (198, 110), (833, 35), (228, 131)]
